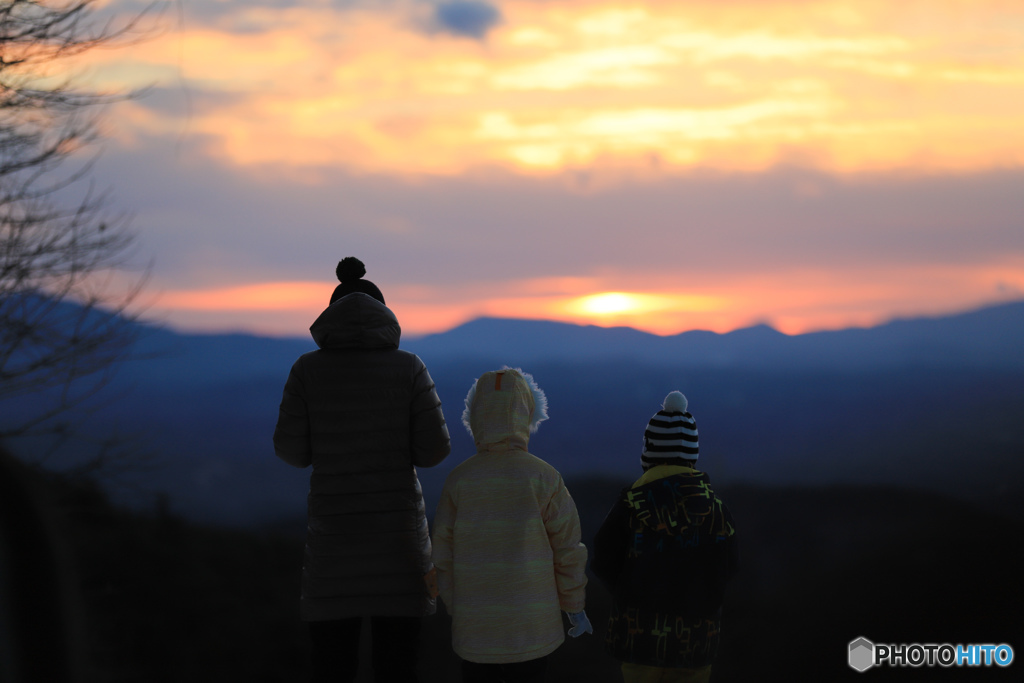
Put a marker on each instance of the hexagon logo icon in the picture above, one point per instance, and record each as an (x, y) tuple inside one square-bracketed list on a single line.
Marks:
[(862, 654)]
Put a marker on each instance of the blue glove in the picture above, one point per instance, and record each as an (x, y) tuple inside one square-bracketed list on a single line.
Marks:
[(580, 624)]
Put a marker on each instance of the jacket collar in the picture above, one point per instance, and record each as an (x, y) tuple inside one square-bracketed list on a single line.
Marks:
[(662, 471)]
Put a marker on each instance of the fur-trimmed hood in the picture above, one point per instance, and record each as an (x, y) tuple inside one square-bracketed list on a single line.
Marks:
[(503, 408)]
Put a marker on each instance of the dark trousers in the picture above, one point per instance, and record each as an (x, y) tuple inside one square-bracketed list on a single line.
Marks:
[(335, 652), (531, 671)]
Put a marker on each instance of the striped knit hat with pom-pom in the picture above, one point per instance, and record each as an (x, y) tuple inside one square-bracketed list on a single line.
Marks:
[(671, 434)]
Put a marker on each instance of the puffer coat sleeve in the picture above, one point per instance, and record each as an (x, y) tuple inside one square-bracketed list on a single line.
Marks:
[(611, 543), (291, 436), (562, 523), (430, 440), (443, 547)]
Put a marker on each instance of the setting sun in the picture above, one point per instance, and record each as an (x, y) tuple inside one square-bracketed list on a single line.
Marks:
[(610, 303), (636, 303)]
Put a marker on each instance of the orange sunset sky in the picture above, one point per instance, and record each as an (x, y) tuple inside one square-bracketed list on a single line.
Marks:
[(704, 164)]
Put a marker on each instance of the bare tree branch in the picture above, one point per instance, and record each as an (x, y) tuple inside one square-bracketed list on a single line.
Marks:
[(60, 320)]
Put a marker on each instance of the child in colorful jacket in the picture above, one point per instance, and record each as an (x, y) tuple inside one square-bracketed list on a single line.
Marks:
[(666, 551), (507, 539)]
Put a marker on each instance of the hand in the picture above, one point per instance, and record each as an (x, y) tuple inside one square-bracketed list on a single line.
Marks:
[(580, 624), (430, 578)]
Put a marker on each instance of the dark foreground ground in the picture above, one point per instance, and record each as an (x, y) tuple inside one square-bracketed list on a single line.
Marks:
[(152, 598)]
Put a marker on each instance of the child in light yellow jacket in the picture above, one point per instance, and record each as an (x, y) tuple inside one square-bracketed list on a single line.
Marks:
[(507, 540)]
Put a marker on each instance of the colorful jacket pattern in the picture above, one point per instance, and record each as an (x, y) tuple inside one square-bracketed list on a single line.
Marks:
[(666, 551)]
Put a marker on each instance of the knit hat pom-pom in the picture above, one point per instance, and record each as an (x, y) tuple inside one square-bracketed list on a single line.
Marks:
[(350, 268), (675, 402)]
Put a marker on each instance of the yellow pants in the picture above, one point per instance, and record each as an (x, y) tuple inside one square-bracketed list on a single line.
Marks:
[(639, 673)]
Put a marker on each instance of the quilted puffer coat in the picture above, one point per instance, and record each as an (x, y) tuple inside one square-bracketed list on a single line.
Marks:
[(507, 534), (364, 414)]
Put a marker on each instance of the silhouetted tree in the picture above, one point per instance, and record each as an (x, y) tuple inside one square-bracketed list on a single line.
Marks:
[(61, 316)]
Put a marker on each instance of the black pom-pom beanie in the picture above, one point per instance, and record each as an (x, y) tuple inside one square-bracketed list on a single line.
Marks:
[(350, 272)]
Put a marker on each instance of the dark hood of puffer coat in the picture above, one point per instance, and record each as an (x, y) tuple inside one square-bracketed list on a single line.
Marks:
[(359, 321), (674, 504)]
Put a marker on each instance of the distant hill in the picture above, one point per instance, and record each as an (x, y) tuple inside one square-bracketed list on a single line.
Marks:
[(991, 337), (988, 338), (932, 403)]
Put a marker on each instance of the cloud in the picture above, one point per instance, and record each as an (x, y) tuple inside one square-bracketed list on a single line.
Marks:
[(367, 85), (697, 151), (178, 101), (466, 18), (802, 249)]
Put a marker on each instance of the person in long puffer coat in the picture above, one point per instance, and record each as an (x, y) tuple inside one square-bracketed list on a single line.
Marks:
[(364, 414), (666, 551), (507, 540)]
